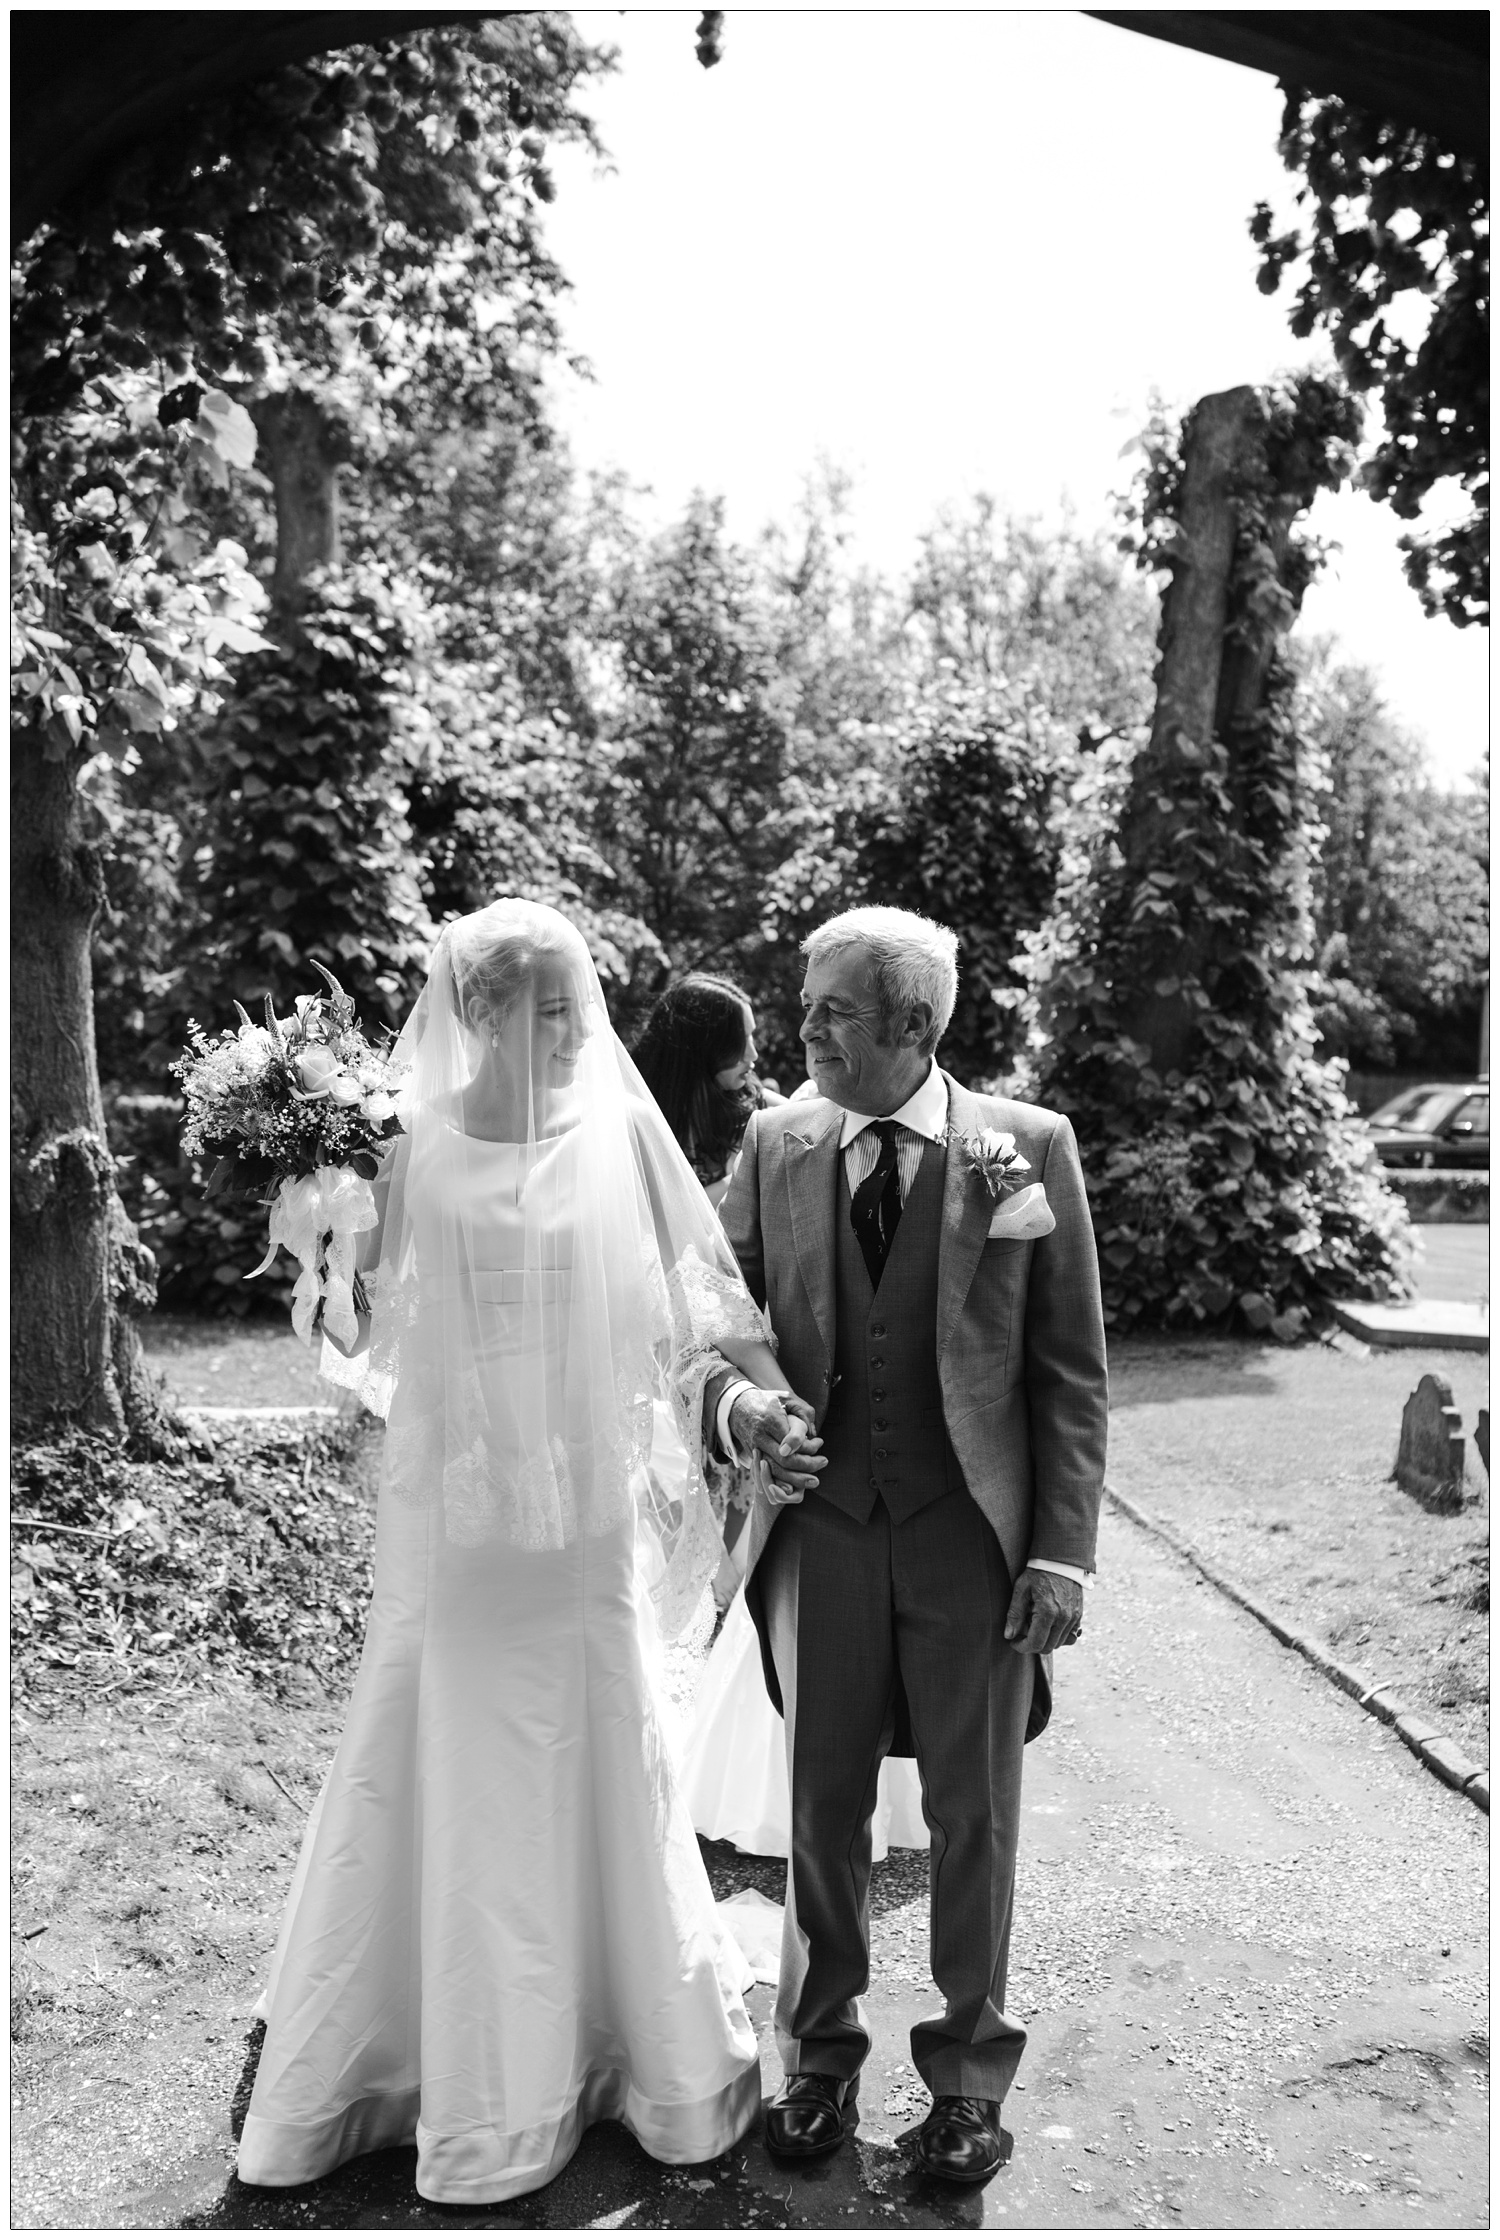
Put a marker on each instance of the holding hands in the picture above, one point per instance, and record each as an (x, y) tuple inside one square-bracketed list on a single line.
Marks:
[(779, 1426)]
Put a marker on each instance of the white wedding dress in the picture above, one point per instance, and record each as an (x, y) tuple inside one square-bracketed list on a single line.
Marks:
[(500, 1929), (734, 1766)]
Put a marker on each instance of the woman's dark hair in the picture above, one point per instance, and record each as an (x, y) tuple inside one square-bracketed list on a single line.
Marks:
[(691, 1033)]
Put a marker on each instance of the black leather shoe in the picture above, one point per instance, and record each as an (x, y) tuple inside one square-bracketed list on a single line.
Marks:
[(960, 2140), (808, 2114)]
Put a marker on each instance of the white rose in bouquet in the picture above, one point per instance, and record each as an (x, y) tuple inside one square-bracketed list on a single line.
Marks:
[(316, 1068)]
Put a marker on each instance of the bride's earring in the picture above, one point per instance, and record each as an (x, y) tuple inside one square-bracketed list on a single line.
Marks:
[(494, 1038)]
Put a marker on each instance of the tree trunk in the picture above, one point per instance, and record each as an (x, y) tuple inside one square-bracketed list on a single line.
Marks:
[(1189, 679), (1195, 607), (79, 1271), (302, 448)]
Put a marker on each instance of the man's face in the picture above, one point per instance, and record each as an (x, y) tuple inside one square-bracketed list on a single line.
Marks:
[(841, 1031)]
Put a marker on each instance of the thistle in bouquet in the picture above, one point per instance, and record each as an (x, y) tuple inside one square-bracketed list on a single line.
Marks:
[(295, 1115)]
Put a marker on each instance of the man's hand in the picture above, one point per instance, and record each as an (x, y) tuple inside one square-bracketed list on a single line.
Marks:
[(1046, 1612), (780, 1428)]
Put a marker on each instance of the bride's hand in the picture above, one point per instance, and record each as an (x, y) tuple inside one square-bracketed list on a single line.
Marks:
[(778, 1426)]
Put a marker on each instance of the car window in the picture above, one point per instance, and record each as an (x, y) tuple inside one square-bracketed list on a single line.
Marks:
[(1476, 1111), (1427, 1113), (1394, 1110)]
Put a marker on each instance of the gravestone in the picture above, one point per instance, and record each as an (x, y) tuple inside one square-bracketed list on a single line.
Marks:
[(1430, 1458)]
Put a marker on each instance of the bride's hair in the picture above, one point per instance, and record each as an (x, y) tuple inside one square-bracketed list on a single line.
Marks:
[(494, 952), (694, 1031)]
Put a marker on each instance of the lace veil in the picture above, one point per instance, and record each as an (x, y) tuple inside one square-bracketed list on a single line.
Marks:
[(553, 1287)]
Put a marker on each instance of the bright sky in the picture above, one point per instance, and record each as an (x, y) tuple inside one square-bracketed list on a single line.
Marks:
[(951, 251)]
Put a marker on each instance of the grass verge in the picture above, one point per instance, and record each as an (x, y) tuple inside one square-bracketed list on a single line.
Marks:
[(1276, 1462)]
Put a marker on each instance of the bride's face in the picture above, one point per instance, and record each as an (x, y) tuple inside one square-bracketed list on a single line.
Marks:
[(546, 1031)]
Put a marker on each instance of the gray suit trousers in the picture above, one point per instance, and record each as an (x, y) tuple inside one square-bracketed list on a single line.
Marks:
[(855, 1613)]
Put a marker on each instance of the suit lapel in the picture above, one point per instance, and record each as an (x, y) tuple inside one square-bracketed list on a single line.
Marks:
[(812, 1151), (966, 1215)]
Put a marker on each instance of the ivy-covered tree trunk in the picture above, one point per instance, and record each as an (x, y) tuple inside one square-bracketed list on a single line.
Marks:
[(1170, 1009), (305, 850), (78, 1271), (1188, 682), (302, 446)]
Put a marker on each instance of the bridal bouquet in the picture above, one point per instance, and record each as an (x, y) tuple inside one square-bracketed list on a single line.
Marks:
[(295, 1114)]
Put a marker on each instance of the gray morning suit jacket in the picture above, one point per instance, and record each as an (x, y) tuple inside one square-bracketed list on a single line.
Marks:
[(1020, 1328)]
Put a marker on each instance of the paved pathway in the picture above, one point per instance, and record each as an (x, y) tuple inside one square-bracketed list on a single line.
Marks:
[(1249, 1941)]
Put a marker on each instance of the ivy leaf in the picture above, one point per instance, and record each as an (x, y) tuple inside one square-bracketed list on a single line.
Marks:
[(183, 546), (238, 636), (97, 563), (140, 711), (146, 674), (211, 462), (227, 428), (183, 402)]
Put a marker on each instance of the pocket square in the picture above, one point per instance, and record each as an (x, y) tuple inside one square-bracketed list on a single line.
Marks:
[(1026, 1214)]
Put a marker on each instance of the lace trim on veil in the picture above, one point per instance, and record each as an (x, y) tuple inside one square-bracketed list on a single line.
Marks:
[(708, 1304), (436, 1451)]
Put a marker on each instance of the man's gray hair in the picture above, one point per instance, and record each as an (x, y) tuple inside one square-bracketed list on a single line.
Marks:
[(913, 960)]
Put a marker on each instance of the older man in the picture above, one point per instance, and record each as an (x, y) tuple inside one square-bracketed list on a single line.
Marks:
[(934, 1292)]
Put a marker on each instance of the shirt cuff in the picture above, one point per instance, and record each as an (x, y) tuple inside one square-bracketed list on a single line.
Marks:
[(1063, 1570), (727, 1399)]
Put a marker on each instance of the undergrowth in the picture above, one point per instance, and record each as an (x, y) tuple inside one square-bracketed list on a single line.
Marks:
[(249, 1555)]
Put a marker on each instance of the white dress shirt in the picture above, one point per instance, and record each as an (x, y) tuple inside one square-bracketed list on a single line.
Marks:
[(923, 1118)]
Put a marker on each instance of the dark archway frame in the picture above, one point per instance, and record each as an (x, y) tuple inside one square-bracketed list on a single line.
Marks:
[(86, 83)]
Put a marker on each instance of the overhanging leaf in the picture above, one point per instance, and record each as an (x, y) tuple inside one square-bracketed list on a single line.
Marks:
[(227, 428)]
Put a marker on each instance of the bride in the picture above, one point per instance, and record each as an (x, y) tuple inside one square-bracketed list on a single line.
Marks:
[(500, 1929)]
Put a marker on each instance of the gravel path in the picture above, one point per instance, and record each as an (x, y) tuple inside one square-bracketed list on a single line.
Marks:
[(1249, 1944)]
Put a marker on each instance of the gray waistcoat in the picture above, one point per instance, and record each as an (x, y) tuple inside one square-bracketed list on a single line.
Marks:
[(884, 1433)]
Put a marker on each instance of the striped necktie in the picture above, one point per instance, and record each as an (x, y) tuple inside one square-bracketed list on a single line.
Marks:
[(876, 1205)]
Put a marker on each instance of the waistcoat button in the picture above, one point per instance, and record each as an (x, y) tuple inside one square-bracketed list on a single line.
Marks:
[(877, 1329), (880, 1423)]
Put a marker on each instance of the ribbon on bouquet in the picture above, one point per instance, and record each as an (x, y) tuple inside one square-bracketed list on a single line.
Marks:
[(317, 1217)]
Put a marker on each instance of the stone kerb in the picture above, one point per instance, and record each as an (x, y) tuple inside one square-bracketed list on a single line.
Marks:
[(1420, 1735)]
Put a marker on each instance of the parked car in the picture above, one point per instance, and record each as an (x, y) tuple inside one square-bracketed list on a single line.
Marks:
[(1435, 1124)]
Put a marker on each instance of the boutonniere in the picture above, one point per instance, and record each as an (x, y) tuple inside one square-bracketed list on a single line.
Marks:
[(993, 1156)]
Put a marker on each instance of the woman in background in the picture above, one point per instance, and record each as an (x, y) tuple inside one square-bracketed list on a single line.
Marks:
[(696, 1054)]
